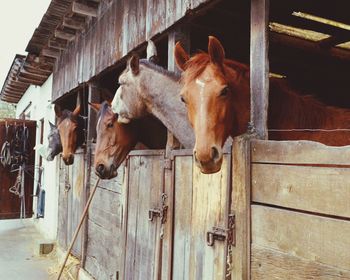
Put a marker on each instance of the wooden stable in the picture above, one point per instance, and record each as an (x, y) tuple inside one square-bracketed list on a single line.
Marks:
[(276, 210)]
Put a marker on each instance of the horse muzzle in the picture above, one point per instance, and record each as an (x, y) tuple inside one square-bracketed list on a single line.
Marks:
[(106, 173), (209, 163), (68, 160)]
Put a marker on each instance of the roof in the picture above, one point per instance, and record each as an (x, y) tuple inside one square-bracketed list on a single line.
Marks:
[(63, 20)]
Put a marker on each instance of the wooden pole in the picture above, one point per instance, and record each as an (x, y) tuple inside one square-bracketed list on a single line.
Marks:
[(78, 228), (259, 66)]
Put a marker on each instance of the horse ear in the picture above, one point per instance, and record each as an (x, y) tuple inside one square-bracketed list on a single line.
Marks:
[(216, 51), (58, 111), (76, 111), (134, 64), (181, 56), (52, 126), (151, 49), (95, 106)]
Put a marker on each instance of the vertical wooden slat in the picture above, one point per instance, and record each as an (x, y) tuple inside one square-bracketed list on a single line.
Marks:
[(180, 34), (241, 208), (259, 66)]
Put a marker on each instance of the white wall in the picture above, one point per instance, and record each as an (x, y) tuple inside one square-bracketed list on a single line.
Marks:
[(41, 108)]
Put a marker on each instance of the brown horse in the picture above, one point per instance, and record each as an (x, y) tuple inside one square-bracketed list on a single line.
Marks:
[(71, 129), (115, 140), (217, 94)]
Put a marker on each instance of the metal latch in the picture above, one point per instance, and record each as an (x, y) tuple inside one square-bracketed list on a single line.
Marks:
[(221, 234), (159, 212)]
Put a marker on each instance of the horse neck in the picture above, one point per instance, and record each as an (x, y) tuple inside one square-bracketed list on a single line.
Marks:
[(161, 95)]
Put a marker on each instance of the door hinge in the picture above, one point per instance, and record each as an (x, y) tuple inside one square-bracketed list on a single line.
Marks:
[(222, 234)]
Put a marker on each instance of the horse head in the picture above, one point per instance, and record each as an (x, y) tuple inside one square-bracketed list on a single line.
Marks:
[(210, 92), (54, 142), (114, 141), (128, 102), (70, 130)]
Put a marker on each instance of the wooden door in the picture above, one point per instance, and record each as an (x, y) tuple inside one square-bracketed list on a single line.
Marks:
[(201, 202), (71, 202), (10, 203), (145, 184)]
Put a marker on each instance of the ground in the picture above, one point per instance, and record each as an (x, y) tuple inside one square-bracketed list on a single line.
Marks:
[(19, 257)]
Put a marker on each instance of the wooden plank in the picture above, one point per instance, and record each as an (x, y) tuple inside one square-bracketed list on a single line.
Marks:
[(299, 152), (73, 23), (314, 238), (182, 217), (269, 264), (103, 252), (241, 207), (208, 210), (58, 44), (259, 66), (316, 189), (145, 188), (84, 10)]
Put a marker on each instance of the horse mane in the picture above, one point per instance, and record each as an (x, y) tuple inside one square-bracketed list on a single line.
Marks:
[(197, 64), (172, 75), (103, 109)]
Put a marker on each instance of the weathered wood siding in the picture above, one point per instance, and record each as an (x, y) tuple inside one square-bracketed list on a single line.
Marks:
[(121, 26), (300, 213)]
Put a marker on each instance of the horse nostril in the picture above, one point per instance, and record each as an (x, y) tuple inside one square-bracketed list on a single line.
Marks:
[(100, 168), (214, 153)]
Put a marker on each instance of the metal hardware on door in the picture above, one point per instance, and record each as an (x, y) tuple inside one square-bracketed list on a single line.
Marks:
[(159, 212), (220, 234)]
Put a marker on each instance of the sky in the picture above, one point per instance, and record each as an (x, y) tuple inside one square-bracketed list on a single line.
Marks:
[(18, 20)]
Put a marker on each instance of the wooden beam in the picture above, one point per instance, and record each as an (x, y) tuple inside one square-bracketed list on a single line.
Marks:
[(64, 35), (57, 44), (40, 76), (50, 53), (309, 46), (84, 10), (259, 66), (73, 23)]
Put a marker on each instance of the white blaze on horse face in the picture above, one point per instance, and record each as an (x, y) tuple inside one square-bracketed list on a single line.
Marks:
[(201, 85), (119, 107)]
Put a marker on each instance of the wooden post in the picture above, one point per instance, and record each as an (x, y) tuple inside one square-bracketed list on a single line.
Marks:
[(259, 66), (93, 97), (179, 34), (240, 205)]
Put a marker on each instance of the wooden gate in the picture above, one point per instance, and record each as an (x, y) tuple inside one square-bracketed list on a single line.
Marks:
[(300, 210), (10, 203), (71, 201), (168, 229)]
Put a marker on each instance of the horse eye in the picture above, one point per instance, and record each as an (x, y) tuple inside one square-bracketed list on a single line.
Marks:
[(225, 91), (183, 99), (110, 124)]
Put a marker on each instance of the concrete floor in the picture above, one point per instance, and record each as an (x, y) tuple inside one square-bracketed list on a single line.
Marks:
[(19, 259)]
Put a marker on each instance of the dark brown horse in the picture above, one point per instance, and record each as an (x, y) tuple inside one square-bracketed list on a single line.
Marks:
[(217, 94), (71, 129), (115, 140)]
